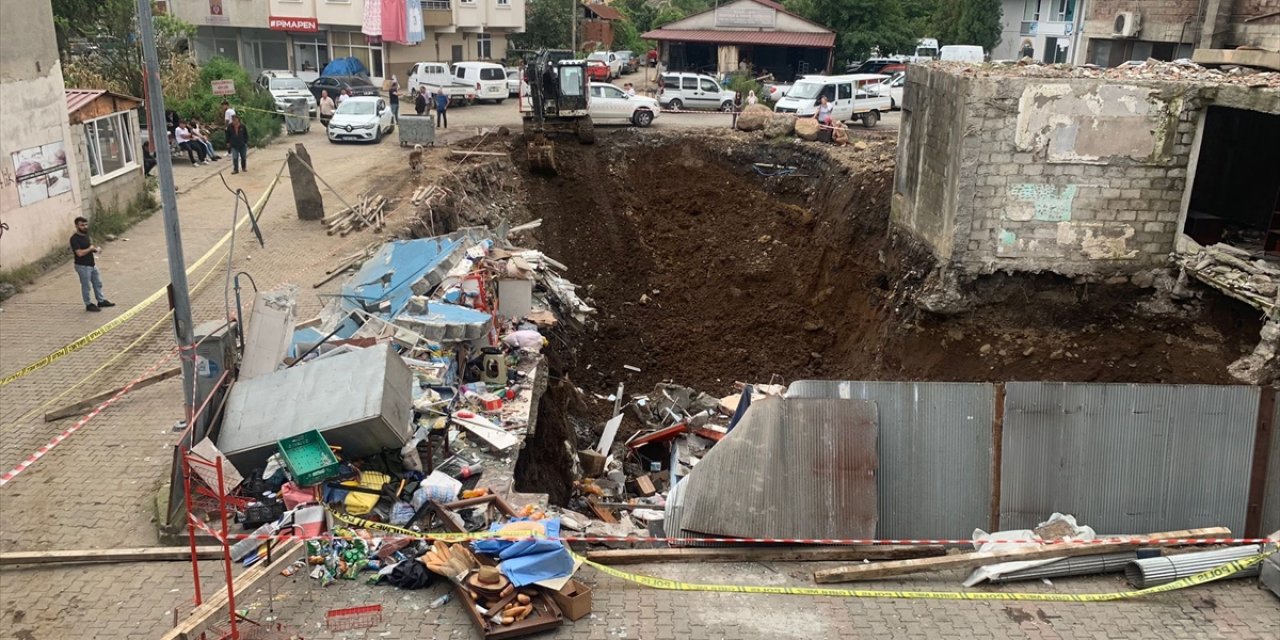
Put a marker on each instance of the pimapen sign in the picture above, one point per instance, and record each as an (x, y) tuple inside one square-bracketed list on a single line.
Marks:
[(283, 23)]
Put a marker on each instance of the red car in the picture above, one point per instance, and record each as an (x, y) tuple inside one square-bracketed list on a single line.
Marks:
[(598, 71)]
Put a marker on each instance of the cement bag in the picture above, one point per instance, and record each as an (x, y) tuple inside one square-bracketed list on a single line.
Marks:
[(754, 117), (807, 128), (780, 125)]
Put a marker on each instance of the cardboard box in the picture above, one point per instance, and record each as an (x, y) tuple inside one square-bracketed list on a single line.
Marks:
[(592, 463), (574, 599)]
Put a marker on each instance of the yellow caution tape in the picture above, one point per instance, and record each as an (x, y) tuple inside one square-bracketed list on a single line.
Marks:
[(362, 523), (83, 341), (1216, 573)]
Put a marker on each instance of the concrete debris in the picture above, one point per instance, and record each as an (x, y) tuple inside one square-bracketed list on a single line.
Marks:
[(1234, 272), (1177, 71)]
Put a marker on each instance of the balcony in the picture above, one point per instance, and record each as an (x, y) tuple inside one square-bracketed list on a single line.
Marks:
[(437, 5)]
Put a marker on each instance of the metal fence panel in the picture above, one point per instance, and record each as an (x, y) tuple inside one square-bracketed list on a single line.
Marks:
[(935, 451), (1127, 458), (1271, 498)]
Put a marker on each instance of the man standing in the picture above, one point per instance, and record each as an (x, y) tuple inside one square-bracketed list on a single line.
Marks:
[(326, 107), (393, 97), (442, 106), (238, 142), (227, 112), (84, 249)]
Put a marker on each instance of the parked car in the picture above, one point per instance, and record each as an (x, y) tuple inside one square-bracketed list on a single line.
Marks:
[(892, 88), (630, 63), (774, 91), (285, 87), (363, 119), (611, 105), (693, 91), (878, 65), (598, 71), (489, 78), (437, 77), (356, 85), (513, 82), (610, 58), (850, 95)]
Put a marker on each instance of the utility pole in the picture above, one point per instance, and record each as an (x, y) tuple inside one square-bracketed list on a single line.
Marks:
[(179, 296), (573, 27)]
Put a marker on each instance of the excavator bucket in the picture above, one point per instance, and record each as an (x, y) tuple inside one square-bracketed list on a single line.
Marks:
[(542, 155)]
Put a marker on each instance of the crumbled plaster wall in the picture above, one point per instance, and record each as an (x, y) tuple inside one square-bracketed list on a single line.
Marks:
[(1072, 176)]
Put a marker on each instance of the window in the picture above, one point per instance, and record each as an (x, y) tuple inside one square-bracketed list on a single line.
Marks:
[(689, 84), (710, 85), (355, 44), (504, 3), (571, 81), (611, 92), (110, 146), (1031, 10), (484, 49), (492, 73), (845, 92)]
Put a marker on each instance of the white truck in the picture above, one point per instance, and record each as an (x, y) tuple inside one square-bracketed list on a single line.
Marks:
[(851, 96), (437, 78)]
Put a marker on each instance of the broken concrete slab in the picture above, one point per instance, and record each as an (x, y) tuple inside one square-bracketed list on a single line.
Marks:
[(269, 331)]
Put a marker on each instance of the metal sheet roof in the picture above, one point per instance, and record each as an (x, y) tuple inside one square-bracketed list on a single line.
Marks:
[(792, 468), (767, 38), (605, 11), (78, 99), (1127, 458), (935, 450)]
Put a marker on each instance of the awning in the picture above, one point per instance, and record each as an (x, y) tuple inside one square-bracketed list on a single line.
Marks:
[(768, 38)]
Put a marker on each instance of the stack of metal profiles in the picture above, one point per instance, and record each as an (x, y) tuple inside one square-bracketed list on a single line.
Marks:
[(1151, 572)]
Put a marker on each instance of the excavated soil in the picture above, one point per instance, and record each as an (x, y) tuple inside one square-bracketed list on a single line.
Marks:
[(706, 272)]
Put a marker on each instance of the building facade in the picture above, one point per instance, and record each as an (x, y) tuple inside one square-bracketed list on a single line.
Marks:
[(304, 35), (1044, 30), (40, 193), (1117, 31)]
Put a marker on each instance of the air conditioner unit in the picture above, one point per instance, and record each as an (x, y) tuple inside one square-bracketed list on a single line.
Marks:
[(1127, 24)]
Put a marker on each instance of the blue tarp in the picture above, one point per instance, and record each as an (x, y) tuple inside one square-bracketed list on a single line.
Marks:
[(345, 67), (390, 274), (530, 560)]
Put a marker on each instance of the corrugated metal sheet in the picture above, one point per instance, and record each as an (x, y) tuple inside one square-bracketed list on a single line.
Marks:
[(1271, 499), (78, 98), (1127, 458), (792, 468), (769, 38), (935, 451)]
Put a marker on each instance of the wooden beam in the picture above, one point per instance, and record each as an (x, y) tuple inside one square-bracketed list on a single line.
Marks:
[(978, 559), (1261, 460), (138, 554), (85, 405), (852, 553), (188, 628)]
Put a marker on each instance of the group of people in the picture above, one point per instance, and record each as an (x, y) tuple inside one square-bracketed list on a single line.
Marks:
[(192, 136), (327, 105), (424, 100)]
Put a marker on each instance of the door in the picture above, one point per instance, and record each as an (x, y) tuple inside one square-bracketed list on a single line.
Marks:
[(613, 103), (455, 53), (844, 102), (708, 94)]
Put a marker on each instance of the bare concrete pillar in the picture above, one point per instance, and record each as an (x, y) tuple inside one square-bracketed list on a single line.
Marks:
[(306, 194), (1216, 26)]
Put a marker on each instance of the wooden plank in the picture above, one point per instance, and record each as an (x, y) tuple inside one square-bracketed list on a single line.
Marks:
[(978, 559), (1261, 459), (601, 512), (849, 553), (281, 556), (85, 405), (137, 554)]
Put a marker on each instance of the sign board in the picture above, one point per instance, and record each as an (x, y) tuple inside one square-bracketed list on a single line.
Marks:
[(223, 87), (746, 15), (285, 23)]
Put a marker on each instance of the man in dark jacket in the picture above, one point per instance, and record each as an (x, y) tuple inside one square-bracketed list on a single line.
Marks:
[(420, 103), (238, 142)]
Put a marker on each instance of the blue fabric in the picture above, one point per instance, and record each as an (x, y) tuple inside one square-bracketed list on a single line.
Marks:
[(532, 559), (345, 67), (442, 101), (416, 32)]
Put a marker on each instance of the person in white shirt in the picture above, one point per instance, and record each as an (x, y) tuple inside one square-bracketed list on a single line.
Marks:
[(342, 97), (182, 135), (227, 112), (631, 90), (751, 97)]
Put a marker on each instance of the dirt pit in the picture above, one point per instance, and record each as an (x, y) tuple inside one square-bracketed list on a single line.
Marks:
[(705, 270)]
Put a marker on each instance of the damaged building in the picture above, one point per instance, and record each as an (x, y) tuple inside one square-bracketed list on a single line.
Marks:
[(1095, 174)]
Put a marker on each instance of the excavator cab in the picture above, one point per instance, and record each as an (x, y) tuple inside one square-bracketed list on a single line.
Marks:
[(558, 101)]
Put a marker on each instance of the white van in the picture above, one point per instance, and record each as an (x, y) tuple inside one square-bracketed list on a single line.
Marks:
[(489, 78), (852, 96), (962, 53)]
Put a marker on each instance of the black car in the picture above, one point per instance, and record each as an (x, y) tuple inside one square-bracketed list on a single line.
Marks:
[(356, 85)]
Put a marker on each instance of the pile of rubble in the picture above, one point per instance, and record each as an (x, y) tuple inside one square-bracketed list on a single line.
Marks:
[(1152, 70), (1233, 271)]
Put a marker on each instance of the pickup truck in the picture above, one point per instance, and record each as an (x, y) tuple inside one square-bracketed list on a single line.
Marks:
[(436, 77), (611, 59)]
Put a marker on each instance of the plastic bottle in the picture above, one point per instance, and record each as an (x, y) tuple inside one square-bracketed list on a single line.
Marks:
[(441, 601)]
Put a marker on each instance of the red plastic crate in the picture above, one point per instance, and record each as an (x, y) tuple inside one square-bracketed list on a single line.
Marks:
[(353, 618)]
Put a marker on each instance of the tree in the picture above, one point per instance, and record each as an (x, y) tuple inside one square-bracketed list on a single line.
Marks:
[(861, 26), (969, 22), (547, 25)]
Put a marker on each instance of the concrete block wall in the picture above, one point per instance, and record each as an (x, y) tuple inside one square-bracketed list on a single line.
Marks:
[(927, 182), (1070, 176)]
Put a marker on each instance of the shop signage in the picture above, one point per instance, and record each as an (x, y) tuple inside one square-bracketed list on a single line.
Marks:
[(284, 23)]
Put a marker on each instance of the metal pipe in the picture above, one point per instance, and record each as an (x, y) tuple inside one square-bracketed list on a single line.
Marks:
[(1150, 572), (1079, 566)]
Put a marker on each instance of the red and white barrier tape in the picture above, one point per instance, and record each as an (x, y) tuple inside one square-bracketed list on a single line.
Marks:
[(58, 439)]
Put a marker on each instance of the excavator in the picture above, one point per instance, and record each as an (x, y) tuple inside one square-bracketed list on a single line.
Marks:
[(555, 100)]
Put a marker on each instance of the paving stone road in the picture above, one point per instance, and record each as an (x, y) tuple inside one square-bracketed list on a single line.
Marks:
[(96, 490)]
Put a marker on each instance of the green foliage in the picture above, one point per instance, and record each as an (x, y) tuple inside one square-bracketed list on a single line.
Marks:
[(253, 106), (743, 83), (547, 25), (861, 26), (627, 38), (640, 13), (968, 22)]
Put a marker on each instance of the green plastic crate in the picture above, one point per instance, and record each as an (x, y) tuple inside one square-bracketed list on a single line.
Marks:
[(308, 458)]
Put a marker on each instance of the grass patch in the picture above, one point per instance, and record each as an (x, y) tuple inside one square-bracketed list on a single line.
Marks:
[(113, 221)]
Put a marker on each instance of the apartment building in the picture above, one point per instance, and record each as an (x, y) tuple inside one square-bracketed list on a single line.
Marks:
[(304, 35), (1044, 30)]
